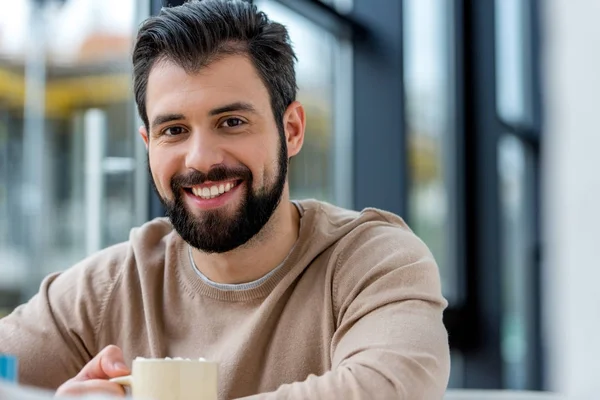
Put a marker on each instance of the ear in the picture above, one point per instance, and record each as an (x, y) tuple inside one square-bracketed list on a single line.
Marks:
[(294, 124), (144, 134)]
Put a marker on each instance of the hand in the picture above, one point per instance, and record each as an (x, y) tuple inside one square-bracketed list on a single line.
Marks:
[(93, 378)]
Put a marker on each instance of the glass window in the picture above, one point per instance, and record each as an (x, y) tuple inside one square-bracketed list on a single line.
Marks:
[(342, 6), (516, 168), (71, 161), (430, 122), (430, 95), (323, 169), (513, 61)]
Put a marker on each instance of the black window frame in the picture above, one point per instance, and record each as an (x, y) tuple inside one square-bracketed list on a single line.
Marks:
[(477, 323)]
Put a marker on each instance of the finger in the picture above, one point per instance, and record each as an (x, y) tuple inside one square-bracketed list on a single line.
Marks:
[(109, 363), (94, 386)]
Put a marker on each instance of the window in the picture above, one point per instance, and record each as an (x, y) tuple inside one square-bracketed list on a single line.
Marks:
[(433, 143), (518, 150), (342, 6), (516, 166), (514, 97), (72, 176), (323, 169), (432, 138)]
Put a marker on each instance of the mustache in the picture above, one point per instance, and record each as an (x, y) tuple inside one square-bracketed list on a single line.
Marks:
[(218, 173)]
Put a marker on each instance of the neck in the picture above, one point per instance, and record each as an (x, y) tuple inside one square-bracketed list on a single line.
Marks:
[(260, 255)]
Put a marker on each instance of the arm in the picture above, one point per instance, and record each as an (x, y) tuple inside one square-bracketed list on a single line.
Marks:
[(390, 342), (53, 335)]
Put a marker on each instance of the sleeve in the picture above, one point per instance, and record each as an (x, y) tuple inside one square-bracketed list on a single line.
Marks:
[(390, 342), (53, 335)]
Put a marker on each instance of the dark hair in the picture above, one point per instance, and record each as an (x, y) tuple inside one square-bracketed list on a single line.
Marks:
[(199, 32)]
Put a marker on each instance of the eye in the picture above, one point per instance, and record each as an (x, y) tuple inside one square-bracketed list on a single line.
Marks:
[(173, 131), (232, 123)]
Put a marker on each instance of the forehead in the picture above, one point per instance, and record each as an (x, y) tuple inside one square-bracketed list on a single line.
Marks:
[(228, 80)]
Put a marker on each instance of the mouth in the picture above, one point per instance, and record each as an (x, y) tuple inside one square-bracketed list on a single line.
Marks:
[(212, 190)]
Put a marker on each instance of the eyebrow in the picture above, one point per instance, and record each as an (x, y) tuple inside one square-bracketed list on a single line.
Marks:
[(161, 119), (238, 106)]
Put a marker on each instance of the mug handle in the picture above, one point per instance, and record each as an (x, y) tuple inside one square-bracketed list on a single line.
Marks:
[(123, 380)]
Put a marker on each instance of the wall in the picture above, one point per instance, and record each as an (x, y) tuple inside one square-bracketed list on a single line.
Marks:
[(571, 165)]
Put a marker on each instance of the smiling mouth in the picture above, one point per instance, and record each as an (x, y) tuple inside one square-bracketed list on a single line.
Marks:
[(211, 190)]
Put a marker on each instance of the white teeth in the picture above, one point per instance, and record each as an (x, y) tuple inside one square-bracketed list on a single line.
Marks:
[(213, 191)]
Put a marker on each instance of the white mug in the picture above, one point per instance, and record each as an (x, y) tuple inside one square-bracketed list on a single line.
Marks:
[(171, 379)]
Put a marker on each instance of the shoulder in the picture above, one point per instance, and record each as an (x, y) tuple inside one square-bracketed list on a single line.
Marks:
[(376, 251), (381, 241), (371, 228), (379, 235), (100, 271), (328, 214)]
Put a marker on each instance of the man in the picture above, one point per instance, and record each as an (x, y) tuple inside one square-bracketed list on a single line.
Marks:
[(294, 300)]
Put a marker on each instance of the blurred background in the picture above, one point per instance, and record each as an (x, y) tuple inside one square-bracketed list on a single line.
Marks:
[(476, 121)]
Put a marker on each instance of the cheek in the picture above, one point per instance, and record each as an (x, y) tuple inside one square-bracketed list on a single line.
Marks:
[(161, 171), (263, 162)]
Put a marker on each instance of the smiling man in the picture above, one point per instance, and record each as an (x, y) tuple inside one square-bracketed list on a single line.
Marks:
[(293, 299)]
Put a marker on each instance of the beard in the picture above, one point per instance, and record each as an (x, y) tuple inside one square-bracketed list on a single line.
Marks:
[(216, 231)]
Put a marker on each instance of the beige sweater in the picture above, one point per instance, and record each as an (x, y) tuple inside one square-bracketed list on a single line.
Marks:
[(355, 312)]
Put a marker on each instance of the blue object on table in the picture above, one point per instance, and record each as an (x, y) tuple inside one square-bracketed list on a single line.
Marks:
[(9, 367)]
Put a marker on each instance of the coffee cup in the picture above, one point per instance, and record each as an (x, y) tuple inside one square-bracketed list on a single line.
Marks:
[(171, 379)]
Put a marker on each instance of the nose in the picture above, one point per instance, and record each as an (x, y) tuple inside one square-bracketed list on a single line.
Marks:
[(204, 151)]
